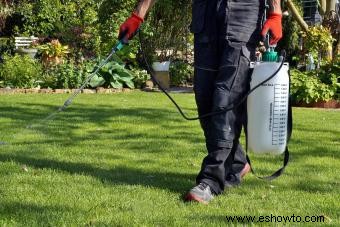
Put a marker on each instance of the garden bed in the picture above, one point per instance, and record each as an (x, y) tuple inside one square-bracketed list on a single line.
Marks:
[(61, 91)]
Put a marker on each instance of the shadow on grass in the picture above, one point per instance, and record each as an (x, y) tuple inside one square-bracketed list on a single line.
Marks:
[(102, 116), (61, 130), (176, 182), (23, 210), (36, 111)]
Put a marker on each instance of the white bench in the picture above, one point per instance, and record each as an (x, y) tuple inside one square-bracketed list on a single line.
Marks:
[(24, 42)]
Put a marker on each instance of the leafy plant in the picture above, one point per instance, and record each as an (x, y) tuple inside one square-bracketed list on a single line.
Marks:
[(73, 21), (140, 77), (20, 71), (308, 86), (318, 40), (291, 28), (66, 75), (113, 75), (330, 74), (5, 46), (167, 29), (53, 51), (181, 73), (40, 17)]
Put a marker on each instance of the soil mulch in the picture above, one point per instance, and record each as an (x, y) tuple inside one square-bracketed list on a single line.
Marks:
[(332, 104)]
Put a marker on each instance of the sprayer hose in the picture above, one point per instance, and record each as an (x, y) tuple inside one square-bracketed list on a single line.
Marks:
[(225, 109)]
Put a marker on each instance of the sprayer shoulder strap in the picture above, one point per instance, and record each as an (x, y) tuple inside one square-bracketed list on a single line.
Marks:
[(286, 153), (277, 173)]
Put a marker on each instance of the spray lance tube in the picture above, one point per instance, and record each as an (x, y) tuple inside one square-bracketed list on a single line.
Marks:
[(68, 102)]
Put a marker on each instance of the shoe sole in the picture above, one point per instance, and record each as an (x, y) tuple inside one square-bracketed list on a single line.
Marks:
[(191, 197)]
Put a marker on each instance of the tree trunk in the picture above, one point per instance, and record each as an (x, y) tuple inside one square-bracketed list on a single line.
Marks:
[(297, 16), (323, 4), (337, 49), (330, 6)]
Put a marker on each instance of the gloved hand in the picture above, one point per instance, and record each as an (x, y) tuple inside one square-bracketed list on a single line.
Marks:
[(274, 24), (130, 27)]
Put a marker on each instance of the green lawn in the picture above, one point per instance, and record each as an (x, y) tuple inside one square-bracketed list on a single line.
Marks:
[(127, 159)]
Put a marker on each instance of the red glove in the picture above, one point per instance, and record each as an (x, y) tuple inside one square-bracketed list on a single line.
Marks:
[(274, 24), (130, 27)]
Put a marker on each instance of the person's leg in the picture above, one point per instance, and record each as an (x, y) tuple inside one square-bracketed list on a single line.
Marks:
[(206, 55), (206, 64), (242, 29), (230, 86), (239, 158), (217, 92), (239, 167)]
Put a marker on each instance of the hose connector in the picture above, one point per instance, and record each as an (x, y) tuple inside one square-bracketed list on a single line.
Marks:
[(270, 55)]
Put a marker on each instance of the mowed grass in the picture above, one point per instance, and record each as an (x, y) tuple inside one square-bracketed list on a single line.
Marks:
[(127, 159)]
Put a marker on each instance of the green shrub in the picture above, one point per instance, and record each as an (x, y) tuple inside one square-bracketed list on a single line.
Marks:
[(111, 16), (314, 86), (67, 75), (181, 73), (140, 77), (6, 46), (74, 22), (291, 28), (113, 75), (330, 74), (318, 39), (167, 28), (20, 71), (41, 17)]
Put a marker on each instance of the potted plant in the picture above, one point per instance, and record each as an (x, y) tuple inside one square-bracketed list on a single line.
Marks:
[(31, 52), (161, 67), (53, 52)]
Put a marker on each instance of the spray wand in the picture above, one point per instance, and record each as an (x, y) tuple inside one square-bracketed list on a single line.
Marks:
[(68, 102)]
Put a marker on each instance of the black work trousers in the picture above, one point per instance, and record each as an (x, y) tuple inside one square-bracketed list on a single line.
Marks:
[(226, 32)]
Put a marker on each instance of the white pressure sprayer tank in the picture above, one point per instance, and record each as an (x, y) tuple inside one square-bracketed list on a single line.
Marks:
[(268, 106)]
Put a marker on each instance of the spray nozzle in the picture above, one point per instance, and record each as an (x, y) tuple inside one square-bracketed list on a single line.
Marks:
[(68, 102), (271, 48)]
